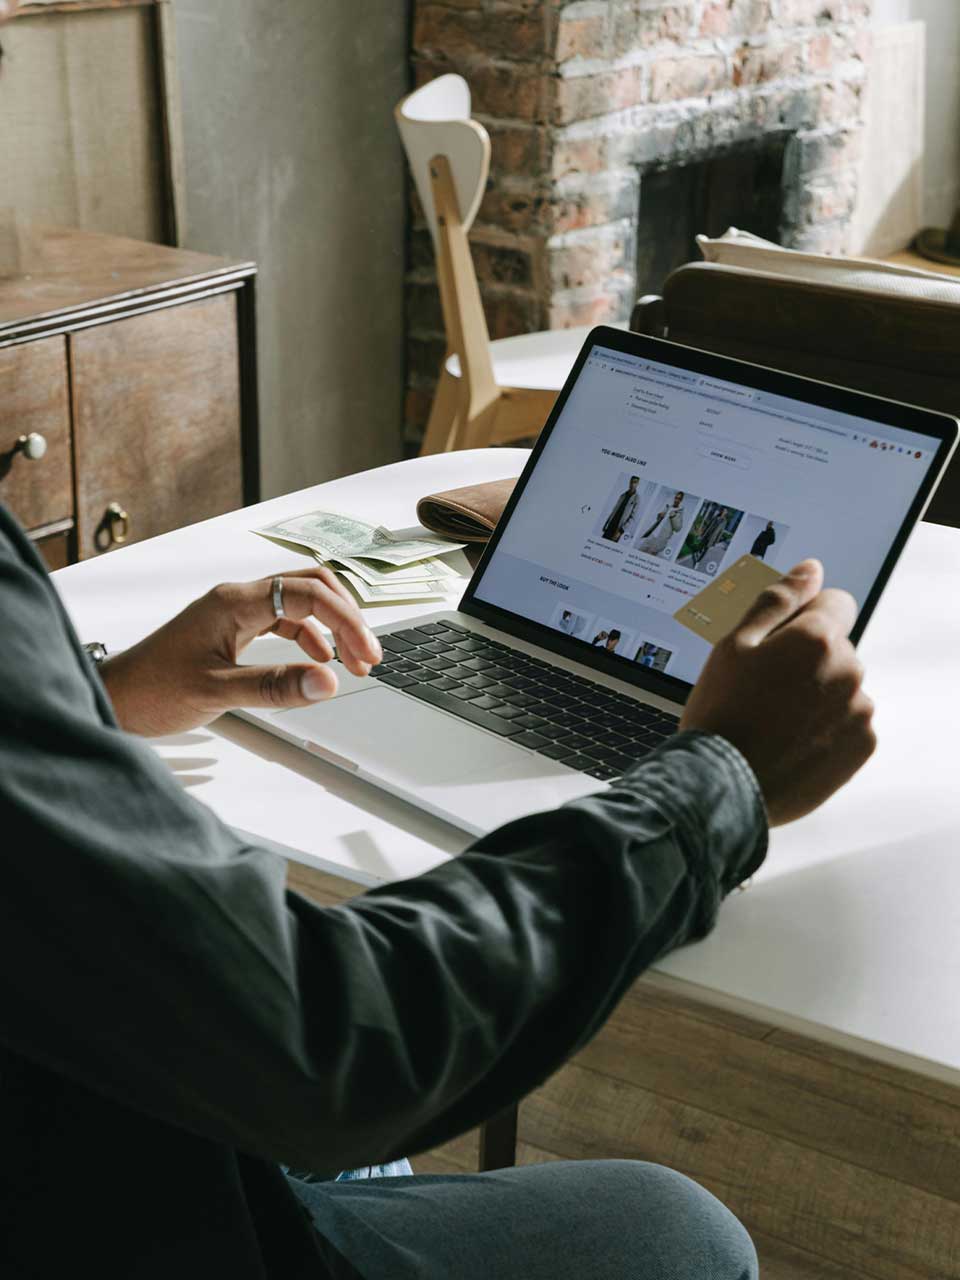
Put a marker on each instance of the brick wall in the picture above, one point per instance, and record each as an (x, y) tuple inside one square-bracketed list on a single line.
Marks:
[(580, 97)]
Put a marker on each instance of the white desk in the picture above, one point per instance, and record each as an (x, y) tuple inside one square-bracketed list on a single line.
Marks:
[(850, 933)]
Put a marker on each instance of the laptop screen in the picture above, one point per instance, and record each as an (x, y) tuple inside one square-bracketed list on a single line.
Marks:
[(654, 477)]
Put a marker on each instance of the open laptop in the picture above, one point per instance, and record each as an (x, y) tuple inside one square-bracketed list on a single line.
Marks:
[(563, 665)]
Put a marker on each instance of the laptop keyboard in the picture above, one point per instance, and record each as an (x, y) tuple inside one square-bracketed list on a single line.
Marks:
[(557, 714)]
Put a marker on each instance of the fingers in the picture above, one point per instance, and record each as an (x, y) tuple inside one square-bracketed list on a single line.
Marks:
[(308, 635), (834, 610), (778, 603), (308, 594), (277, 687), (320, 594)]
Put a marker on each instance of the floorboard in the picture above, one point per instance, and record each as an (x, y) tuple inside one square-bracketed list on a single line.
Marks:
[(840, 1167)]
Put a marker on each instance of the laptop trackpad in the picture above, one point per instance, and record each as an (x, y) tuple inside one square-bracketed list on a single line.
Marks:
[(401, 739)]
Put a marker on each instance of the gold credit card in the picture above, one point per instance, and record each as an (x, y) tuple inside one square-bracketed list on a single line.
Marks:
[(714, 612)]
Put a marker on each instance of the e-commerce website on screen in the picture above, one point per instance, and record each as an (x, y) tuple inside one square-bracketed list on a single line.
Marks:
[(655, 478)]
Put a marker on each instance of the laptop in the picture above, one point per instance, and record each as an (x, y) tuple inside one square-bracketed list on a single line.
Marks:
[(563, 664)]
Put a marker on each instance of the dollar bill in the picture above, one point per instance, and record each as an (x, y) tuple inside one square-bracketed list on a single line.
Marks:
[(331, 536), (388, 593), (429, 570)]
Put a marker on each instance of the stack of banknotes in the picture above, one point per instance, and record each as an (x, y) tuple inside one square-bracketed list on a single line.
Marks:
[(379, 566)]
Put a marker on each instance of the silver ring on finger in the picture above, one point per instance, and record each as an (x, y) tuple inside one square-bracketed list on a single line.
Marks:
[(276, 588)]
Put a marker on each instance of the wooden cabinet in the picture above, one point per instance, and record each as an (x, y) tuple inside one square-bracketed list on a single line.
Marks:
[(35, 401), (127, 392)]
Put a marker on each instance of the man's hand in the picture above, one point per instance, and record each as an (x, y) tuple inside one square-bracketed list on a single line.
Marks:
[(784, 688), (186, 673)]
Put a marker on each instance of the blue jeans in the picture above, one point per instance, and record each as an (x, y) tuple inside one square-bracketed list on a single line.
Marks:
[(602, 1219)]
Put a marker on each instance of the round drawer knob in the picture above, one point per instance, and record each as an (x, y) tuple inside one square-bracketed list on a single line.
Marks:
[(33, 446)]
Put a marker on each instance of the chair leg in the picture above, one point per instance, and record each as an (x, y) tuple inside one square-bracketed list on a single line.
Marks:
[(498, 1140), (478, 432), (444, 415)]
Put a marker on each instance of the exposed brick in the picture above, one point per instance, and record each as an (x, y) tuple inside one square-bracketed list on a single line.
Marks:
[(519, 148), (654, 95), (841, 102), (833, 238), (600, 309), (582, 97), (595, 206), (462, 34), (637, 26), (579, 155), (820, 54), (581, 37), (787, 108), (502, 264), (802, 13), (425, 358), (822, 153), (690, 77), (514, 209), (588, 263), (735, 17), (420, 254), (424, 315), (757, 64), (832, 200), (510, 92), (510, 313)]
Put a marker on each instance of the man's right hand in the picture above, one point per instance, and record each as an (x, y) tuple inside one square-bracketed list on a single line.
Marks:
[(784, 688)]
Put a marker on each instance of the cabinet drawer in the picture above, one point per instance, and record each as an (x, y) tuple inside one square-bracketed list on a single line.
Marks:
[(156, 422), (56, 548), (34, 398)]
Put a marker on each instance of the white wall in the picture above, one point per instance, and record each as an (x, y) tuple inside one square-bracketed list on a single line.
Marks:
[(292, 158), (942, 128)]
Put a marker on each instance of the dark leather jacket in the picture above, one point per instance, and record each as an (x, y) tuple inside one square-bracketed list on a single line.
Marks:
[(173, 1023)]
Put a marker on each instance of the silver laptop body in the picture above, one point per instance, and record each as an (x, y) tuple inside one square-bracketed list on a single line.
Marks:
[(658, 465)]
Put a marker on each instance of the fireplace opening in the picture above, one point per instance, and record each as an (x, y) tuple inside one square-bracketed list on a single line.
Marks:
[(742, 187)]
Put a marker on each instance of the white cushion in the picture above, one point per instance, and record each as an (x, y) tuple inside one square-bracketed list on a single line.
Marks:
[(537, 361), (741, 249)]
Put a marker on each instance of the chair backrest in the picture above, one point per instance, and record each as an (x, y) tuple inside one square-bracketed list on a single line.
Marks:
[(897, 346), (435, 120), (449, 155)]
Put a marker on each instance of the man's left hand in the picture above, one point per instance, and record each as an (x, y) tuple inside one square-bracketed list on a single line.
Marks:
[(186, 673)]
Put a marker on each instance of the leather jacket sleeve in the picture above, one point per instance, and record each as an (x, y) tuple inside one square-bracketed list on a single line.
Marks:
[(152, 955)]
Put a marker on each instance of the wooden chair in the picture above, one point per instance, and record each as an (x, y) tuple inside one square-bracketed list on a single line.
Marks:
[(488, 392), (890, 344)]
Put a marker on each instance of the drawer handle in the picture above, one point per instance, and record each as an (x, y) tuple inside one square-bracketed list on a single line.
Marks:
[(112, 529), (33, 446), (118, 523)]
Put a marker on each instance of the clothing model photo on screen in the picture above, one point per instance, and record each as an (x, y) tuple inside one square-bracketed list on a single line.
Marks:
[(571, 622), (622, 508), (710, 536), (765, 539), (612, 638), (663, 522), (652, 655)]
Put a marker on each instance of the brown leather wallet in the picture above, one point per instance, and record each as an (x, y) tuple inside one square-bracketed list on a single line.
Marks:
[(469, 514)]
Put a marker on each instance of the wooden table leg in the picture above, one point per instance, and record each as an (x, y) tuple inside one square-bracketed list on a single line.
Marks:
[(498, 1140)]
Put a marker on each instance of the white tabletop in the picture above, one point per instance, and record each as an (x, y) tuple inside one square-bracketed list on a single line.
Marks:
[(849, 932)]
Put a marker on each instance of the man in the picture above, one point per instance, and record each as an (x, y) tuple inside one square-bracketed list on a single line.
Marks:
[(612, 640), (174, 1029), (623, 513), (568, 622), (764, 541)]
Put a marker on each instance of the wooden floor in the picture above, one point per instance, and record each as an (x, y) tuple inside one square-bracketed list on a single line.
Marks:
[(841, 1168)]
